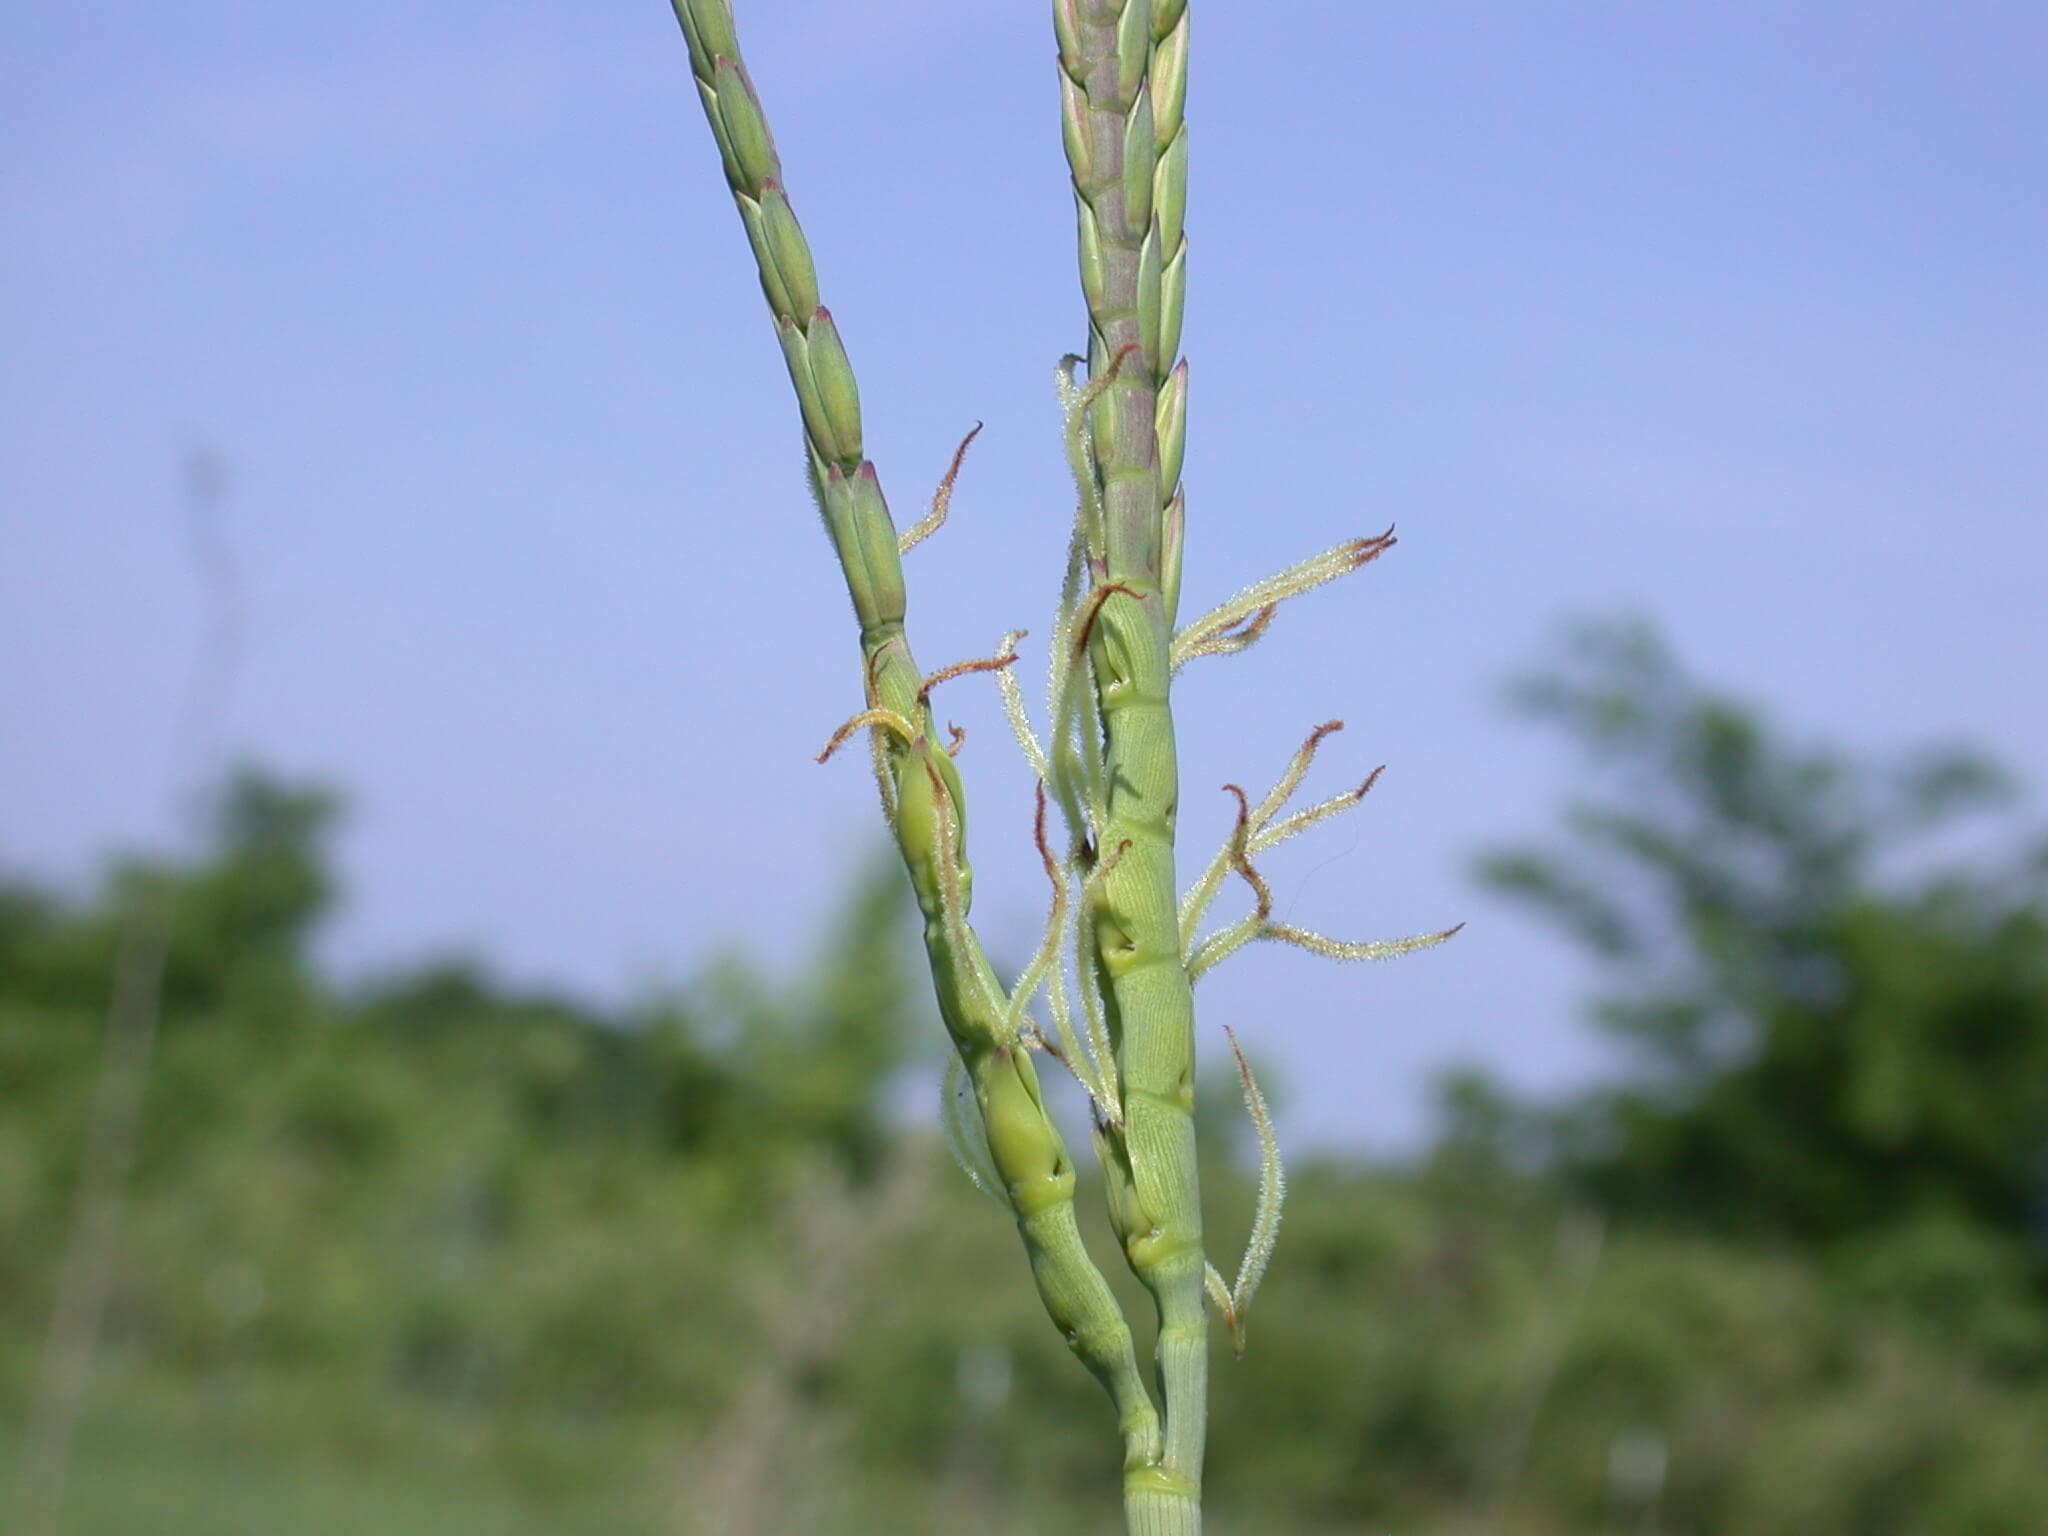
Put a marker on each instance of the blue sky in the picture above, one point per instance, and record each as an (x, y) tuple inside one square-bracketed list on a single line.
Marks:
[(1737, 315)]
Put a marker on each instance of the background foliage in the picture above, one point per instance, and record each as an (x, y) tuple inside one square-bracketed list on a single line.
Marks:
[(430, 1252)]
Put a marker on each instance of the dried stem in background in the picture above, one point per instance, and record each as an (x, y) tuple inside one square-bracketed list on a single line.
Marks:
[(86, 1276)]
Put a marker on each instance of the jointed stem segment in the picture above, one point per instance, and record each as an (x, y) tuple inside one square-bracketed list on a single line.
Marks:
[(1123, 70)]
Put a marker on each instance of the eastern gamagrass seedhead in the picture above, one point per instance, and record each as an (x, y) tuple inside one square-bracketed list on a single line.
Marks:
[(1122, 946)]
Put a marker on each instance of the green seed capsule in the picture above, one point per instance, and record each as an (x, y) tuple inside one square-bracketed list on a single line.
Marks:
[(1170, 423), (739, 109), (1094, 277), (1133, 49), (796, 353), (733, 174), (1019, 1135), (882, 572), (833, 373), (1170, 193), (707, 25), (788, 254), (1066, 26), (1172, 302), (1148, 301), (1074, 130), (1169, 77), (1138, 160), (858, 520), (773, 285)]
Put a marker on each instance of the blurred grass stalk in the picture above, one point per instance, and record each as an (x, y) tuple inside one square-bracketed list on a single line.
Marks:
[(86, 1277), (1119, 957)]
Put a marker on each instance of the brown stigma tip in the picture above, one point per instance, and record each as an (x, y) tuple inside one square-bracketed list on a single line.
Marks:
[(961, 669), (1052, 866), (1096, 602), (1244, 808), (1365, 551)]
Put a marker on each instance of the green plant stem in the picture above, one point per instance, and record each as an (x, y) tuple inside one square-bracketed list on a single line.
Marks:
[(1113, 122), (921, 788)]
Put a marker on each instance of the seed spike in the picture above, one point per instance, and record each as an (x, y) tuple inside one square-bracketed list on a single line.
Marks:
[(1023, 1143)]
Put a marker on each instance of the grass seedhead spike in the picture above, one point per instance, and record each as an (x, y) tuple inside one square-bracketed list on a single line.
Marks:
[(1112, 771)]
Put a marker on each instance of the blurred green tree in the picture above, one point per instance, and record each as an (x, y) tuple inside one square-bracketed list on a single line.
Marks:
[(486, 1258), (1830, 978)]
